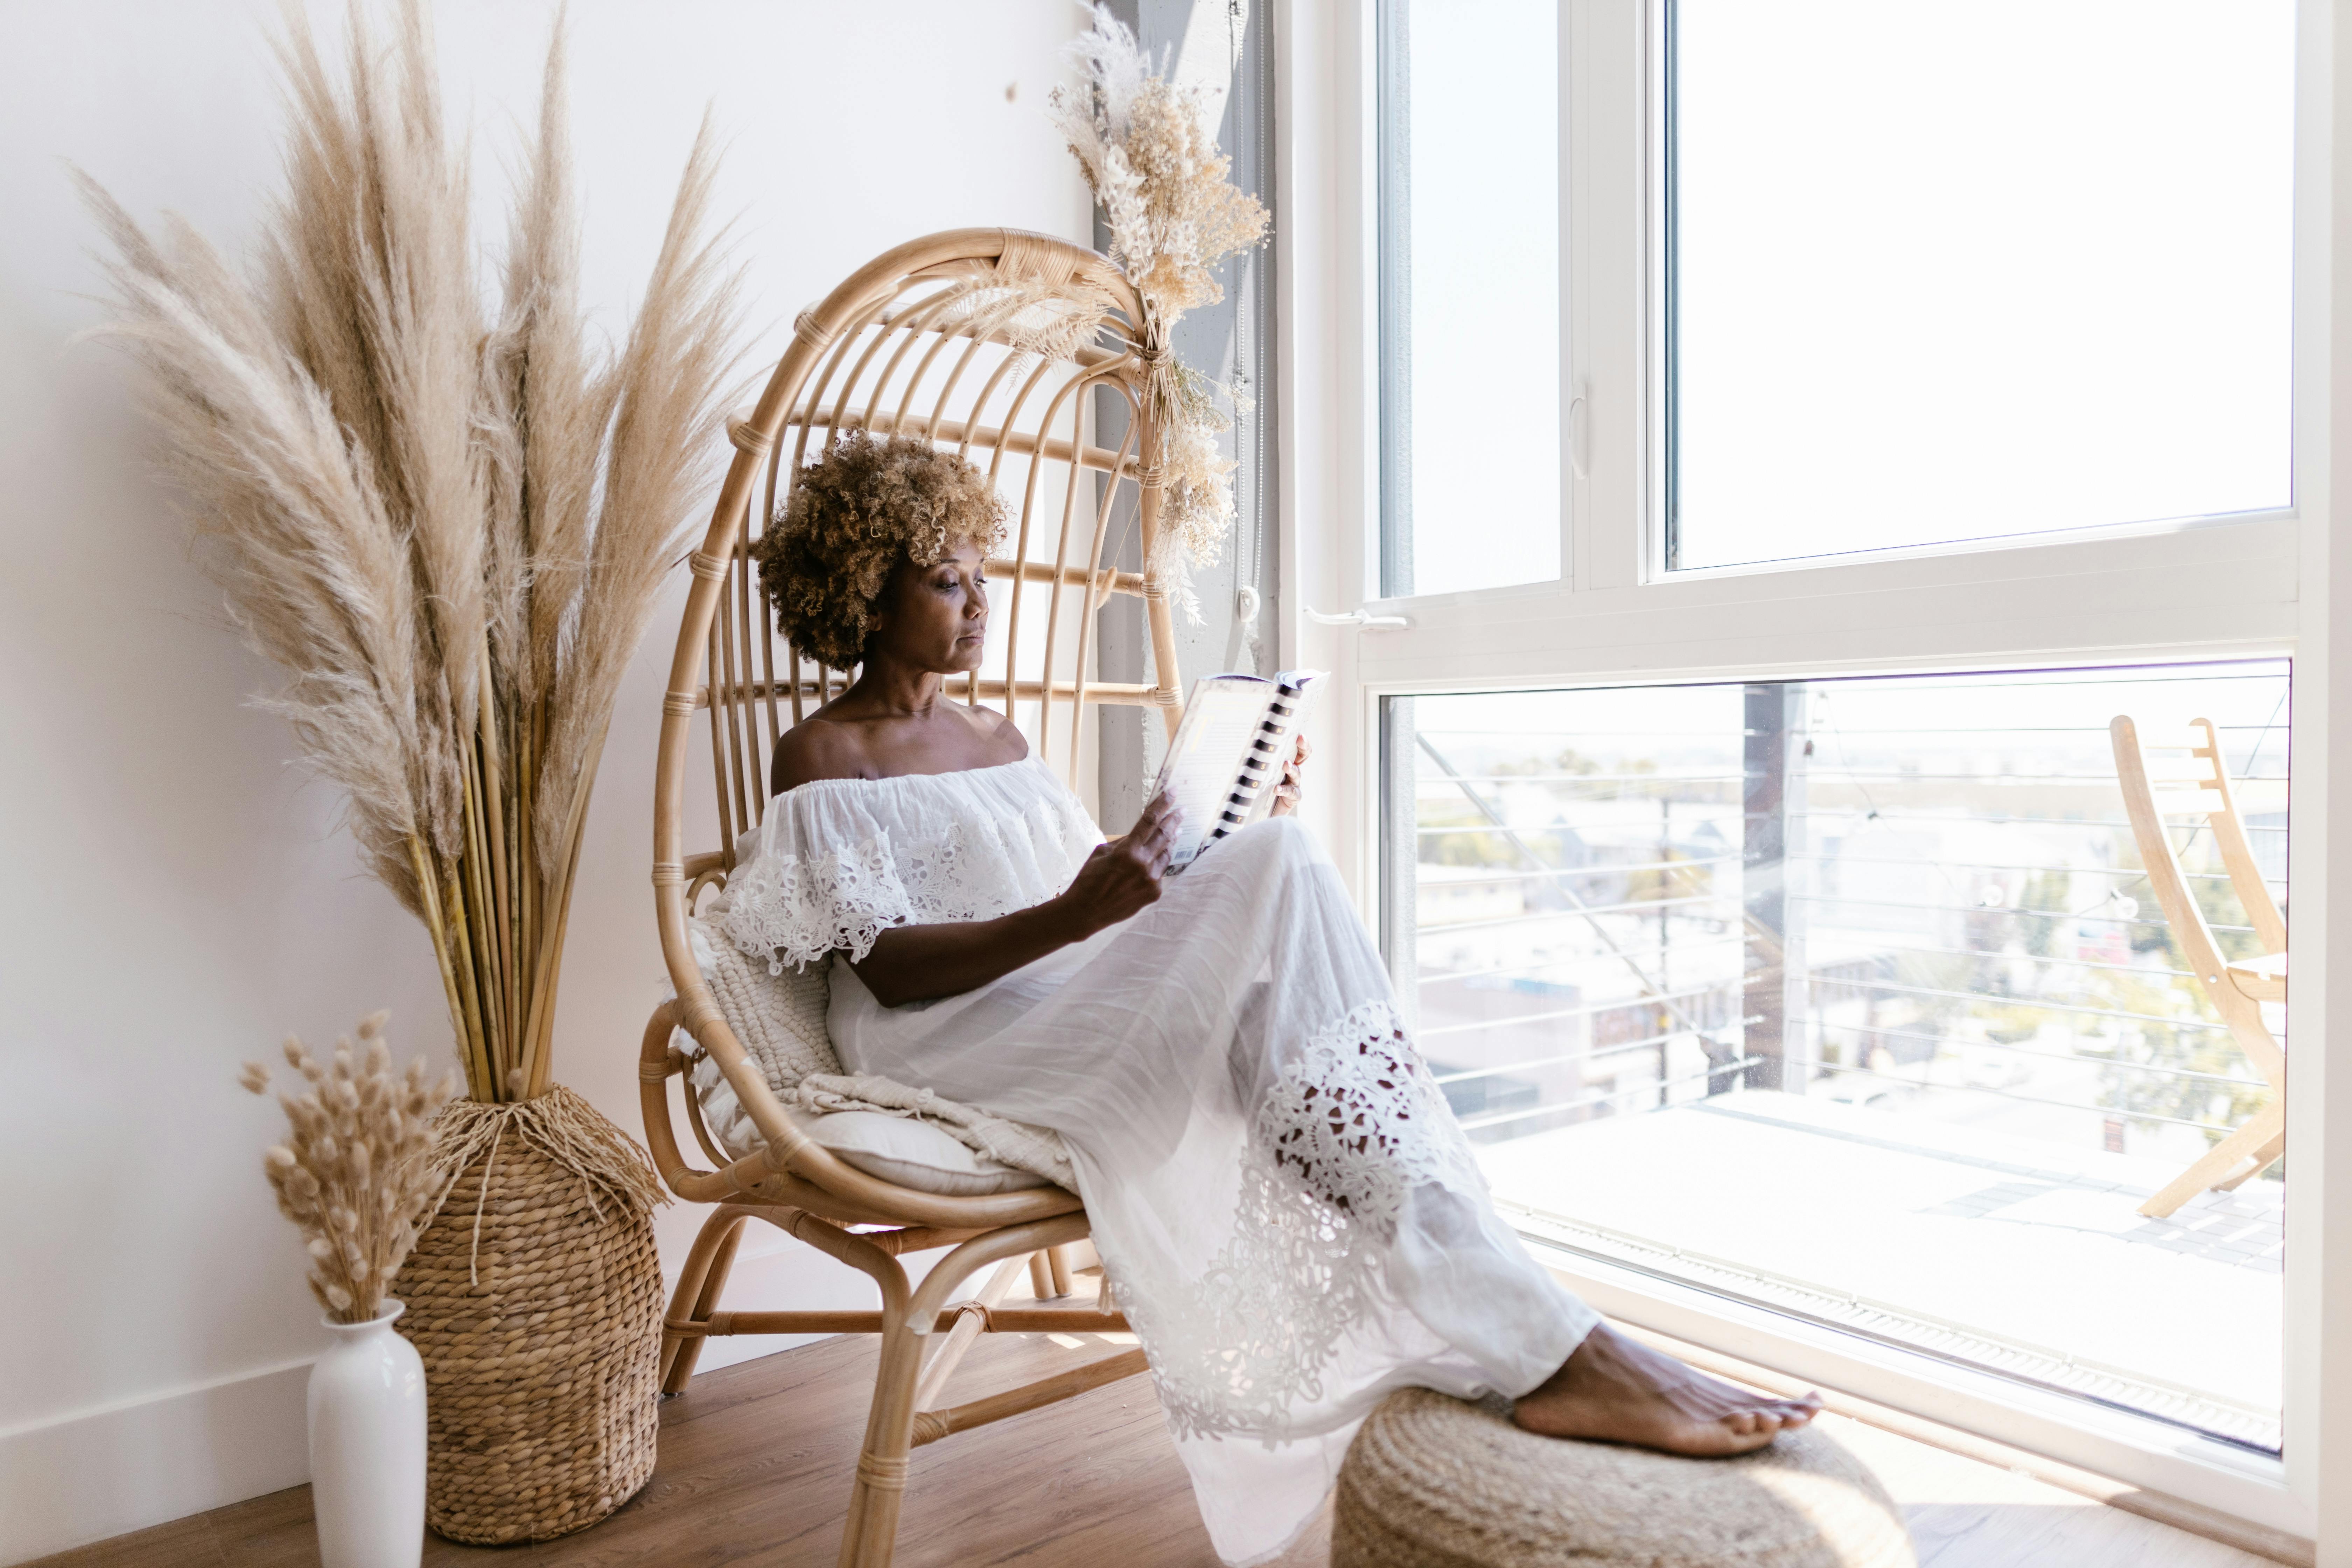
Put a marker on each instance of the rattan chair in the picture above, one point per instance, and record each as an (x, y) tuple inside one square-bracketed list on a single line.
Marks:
[(1003, 345), (2196, 784)]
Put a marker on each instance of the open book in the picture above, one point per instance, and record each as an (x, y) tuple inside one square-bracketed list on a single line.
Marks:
[(1228, 754)]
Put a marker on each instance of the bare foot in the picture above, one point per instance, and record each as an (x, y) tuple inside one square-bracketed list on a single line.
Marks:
[(1615, 1389)]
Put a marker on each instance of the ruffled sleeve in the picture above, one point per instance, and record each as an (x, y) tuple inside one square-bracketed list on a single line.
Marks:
[(822, 879), (837, 862)]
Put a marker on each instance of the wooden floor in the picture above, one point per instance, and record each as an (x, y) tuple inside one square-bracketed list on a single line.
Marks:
[(756, 1461)]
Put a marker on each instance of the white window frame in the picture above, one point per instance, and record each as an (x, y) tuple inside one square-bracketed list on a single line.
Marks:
[(2259, 585)]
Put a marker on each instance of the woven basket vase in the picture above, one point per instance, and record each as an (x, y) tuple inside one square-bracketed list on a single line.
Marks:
[(540, 1343)]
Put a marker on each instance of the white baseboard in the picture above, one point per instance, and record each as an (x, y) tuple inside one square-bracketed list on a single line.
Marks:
[(82, 1477)]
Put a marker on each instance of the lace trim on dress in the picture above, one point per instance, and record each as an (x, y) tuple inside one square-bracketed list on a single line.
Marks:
[(795, 908), (1352, 1126)]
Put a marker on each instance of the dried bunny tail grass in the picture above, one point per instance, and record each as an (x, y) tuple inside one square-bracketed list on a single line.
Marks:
[(354, 1173), (559, 1124), (668, 413), (290, 523)]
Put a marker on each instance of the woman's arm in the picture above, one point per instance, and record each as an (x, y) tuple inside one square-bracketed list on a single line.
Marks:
[(920, 962)]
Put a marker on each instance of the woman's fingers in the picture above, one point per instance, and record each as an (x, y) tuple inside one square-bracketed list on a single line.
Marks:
[(1164, 828)]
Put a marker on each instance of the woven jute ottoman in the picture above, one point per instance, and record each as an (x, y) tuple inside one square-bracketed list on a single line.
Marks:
[(1433, 1482)]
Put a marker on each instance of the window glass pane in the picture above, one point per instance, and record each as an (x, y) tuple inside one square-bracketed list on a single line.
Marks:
[(1953, 270), (1470, 285), (1854, 999)]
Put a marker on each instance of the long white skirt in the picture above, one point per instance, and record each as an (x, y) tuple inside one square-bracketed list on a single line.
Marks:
[(1289, 1214)]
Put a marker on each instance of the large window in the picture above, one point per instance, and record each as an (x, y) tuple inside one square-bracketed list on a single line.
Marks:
[(1929, 272), (1472, 446), (1852, 999), (1904, 390), (1953, 270)]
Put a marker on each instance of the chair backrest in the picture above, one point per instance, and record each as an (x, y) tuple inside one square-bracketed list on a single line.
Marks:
[(993, 343), (2190, 779), (1025, 354)]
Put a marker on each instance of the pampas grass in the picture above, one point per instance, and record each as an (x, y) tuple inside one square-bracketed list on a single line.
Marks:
[(1173, 212), (445, 524), (354, 1173)]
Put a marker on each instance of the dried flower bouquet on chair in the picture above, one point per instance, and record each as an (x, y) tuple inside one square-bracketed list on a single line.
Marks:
[(1173, 212)]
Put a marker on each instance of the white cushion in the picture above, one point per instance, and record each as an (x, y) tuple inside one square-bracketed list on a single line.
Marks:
[(780, 1020), (915, 1154)]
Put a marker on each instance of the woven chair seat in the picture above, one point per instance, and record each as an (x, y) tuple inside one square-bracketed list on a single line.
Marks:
[(1433, 1482)]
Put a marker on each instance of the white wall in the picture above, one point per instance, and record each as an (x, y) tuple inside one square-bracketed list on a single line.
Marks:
[(178, 895)]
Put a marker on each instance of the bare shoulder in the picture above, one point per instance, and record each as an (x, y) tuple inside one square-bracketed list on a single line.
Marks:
[(998, 731), (817, 748)]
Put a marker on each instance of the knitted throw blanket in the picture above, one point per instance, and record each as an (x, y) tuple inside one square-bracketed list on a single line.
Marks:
[(780, 1020)]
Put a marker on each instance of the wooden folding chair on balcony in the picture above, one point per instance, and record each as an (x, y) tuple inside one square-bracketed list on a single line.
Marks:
[(963, 338), (2190, 780)]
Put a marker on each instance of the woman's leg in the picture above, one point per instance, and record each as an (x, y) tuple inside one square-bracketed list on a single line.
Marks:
[(1452, 1259)]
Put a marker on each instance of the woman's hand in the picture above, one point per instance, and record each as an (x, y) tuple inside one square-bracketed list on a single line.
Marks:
[(1286, 793), (919, 963), (1123, 876)]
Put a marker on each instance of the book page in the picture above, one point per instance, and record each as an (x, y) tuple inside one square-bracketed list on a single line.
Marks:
[(1205, 758)]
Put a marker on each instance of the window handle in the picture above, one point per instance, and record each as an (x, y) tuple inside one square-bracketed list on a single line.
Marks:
[(1576, 419), (1362, 619)]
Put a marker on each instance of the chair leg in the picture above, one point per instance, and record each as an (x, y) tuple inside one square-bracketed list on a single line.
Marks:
[(944, 1359), (871, 1534), (1041, 1277), (1058, 1262), (2261, 1162), (2219, 1162), (698, 1284)]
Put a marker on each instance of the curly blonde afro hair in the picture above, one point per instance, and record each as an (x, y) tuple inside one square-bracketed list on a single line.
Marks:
[(854, 515)]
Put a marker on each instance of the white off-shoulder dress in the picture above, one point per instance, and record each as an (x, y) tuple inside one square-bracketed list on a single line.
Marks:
[(1288, 1213)]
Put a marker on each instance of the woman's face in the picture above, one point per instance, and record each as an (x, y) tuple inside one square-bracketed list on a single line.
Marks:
[(936, 617)]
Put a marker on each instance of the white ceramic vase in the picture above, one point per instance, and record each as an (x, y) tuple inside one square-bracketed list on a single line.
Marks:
[(367, 1447)]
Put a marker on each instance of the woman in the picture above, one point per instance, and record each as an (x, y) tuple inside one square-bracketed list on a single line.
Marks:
[(1290, 1217)]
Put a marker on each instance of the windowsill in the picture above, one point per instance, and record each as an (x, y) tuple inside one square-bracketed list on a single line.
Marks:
[(2138, 1451), (2019, 1255), (2280, 1546)]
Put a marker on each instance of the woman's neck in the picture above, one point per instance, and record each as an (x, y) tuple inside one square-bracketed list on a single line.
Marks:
[(896, 689)]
